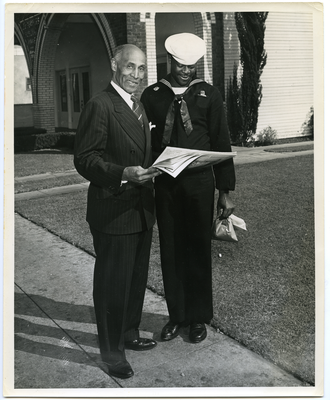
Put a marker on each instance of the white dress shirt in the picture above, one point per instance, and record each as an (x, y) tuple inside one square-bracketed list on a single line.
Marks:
[(125, 96)]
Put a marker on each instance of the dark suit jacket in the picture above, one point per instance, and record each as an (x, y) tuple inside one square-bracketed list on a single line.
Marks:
[(108, 139)]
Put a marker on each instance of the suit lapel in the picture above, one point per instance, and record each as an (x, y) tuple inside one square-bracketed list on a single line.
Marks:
[(147, 141), (127, 118)]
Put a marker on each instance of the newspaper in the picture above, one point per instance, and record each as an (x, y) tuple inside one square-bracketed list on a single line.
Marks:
[(174, 160)]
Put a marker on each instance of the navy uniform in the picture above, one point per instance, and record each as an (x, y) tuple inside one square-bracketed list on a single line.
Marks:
[(188, 117)]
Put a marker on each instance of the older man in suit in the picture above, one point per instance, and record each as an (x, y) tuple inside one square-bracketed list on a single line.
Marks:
[(113, 152)]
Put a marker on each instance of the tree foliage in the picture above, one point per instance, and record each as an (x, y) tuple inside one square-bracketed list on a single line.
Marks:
[(234, 114), (248, 91)]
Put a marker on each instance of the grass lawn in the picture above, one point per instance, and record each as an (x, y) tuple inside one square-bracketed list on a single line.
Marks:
[(42, 161), (264, 284)]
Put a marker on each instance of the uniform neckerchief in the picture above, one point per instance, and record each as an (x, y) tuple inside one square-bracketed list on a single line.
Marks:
[(184, 112)]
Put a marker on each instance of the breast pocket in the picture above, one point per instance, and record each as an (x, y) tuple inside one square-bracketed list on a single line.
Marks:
[(202, 100)]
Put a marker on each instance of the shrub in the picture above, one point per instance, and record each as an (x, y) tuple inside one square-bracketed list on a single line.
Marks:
[(308, 126), (30, 130), (266, 137), (44, 141)]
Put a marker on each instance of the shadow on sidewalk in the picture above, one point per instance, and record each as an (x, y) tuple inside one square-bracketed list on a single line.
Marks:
[(56, 310), (67, 332)]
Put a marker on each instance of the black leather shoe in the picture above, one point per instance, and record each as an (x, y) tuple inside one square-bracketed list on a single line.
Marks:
[(197, 332), (120, 369), (140, 344), (170, 331)]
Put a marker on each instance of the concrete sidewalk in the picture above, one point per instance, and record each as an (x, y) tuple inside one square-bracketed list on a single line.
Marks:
[(55, 333), (56, 342)]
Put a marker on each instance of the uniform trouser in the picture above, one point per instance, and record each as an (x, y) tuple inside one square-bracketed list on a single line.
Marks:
[(184, 207), (120, 279)]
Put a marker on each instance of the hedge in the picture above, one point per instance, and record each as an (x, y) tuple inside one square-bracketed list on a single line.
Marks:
[(32, 142)]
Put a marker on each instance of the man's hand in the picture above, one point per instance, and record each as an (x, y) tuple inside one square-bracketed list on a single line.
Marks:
[(139, 174), (225, 206)]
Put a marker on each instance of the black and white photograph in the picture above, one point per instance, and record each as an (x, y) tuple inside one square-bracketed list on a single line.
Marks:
[(164, 200)]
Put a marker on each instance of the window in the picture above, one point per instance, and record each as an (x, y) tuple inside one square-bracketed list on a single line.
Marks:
[(28, 84), (63, 93), (75, 92)]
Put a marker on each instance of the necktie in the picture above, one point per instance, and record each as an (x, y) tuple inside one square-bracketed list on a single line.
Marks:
[(169, 122), (137, 109), (184, 113)]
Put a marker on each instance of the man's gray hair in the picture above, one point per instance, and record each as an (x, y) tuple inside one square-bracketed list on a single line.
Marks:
[(118, 52)]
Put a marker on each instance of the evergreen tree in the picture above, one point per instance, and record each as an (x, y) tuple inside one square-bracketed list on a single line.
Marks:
[(234, 114), (251, 30)]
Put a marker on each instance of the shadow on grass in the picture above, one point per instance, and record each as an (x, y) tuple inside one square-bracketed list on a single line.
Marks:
[(290, 149)]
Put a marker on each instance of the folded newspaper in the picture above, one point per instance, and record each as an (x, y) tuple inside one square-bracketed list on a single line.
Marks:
[(174, 160)]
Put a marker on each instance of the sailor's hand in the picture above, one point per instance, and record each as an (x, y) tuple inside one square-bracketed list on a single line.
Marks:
[(225, 206)]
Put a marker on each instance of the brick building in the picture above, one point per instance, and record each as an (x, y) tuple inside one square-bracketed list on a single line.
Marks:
[(68, 59)]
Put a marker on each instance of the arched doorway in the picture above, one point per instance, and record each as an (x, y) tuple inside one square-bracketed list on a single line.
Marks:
[(82, 68)]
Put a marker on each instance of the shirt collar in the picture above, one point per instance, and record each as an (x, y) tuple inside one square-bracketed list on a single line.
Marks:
[(167, 83), (125, 96), (179, 90)]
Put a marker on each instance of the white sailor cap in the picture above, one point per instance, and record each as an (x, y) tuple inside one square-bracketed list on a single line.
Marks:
[(185, 48)]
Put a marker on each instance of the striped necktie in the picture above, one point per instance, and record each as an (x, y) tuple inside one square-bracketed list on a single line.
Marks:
[(137, 109)]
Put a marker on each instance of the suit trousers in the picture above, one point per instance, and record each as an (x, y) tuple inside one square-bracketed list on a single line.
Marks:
[(120, 279), (184, 210)]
